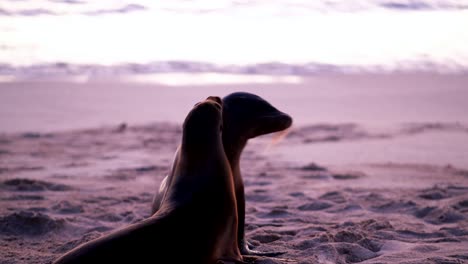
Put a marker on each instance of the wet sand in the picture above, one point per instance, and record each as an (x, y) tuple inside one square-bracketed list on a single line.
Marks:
[(376, 100), (335, 190)]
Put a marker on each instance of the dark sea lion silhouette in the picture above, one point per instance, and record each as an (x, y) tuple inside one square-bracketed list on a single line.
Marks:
[(197, 219), (245, 116)]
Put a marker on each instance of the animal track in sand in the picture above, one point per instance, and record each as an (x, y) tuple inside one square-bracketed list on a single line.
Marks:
[(32, 185), (66, 207), (23, 197), (266, 238), (315, 206), (439, 215), (29, 223), (348, 175), (336, 197), (20, 169)]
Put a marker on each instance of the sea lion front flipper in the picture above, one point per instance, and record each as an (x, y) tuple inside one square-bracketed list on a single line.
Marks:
[(160, 194), (245, 250)]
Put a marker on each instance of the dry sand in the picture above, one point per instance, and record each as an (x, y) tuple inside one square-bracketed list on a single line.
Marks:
[(334, 192)]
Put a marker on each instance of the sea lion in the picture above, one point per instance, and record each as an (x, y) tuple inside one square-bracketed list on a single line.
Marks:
[(197, 219), (245, 116)]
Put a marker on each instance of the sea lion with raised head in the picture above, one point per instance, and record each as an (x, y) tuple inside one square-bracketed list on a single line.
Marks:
[(245, 116), (197, 219)]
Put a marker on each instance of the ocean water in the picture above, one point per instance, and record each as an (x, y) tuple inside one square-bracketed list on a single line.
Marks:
[(53, 37)]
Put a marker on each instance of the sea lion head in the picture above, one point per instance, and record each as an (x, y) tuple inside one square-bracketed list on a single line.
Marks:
[(252, 116), (204, 122)]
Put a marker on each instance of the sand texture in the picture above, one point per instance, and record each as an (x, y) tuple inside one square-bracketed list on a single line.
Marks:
[(61, 189)]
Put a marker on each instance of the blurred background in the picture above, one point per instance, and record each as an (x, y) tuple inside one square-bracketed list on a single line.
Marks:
[(380, 64), (45, 38)]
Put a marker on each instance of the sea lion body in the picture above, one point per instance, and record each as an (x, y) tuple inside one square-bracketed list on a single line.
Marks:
[(245, 116), (196, 221)]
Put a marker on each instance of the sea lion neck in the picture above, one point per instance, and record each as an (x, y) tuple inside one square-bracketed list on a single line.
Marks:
[(192, 144), (234, 144)]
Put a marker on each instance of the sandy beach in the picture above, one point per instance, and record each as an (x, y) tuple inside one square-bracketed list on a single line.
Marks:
[(374, 169)]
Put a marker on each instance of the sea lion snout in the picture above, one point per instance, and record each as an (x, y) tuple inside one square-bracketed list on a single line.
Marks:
[(282, 120), (272, 122)]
